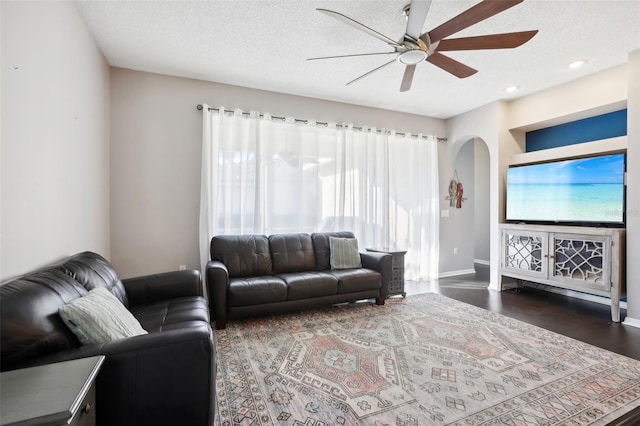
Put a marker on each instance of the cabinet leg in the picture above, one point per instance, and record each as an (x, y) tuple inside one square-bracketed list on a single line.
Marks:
[(615, 310)]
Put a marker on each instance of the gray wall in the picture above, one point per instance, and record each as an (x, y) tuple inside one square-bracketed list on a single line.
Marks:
[(633, 192), (156, 135), (55, 136), (481, 191)]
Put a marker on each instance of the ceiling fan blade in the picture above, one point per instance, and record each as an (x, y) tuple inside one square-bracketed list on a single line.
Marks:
[(370, 72), (417, 15), (494, 41), (349, 56), (359, 26), (407, 79), (451, 66), (477, 13)]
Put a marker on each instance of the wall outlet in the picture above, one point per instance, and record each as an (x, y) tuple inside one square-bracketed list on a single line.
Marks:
[(455, 250), (182, 267)]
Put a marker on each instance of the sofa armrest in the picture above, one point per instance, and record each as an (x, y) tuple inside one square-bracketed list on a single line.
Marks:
[(130, 345), (217, 281), (174, 366), (382, 263), (144, 378), (168, 285)]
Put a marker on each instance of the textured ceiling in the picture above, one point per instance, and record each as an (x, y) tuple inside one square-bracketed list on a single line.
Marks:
[(264, 45)]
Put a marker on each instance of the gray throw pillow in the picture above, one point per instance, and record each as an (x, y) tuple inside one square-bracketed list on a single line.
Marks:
[(99, 317), (344, 253)]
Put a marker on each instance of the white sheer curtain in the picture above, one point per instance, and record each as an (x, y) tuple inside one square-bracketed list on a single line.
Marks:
[(266, 176)]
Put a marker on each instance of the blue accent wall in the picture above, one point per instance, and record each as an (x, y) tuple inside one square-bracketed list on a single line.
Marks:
[(590, 129)]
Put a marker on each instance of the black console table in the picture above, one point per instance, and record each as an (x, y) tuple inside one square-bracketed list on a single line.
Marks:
[(396, 286), (50, 395)]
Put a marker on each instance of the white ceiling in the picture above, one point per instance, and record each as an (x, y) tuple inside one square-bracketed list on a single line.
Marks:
[(264, 44)]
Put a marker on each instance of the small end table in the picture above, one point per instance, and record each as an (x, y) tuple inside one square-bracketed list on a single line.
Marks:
[(56, 394), (396, 286)]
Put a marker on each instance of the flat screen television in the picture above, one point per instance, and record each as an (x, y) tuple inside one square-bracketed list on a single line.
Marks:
[(587, 191)]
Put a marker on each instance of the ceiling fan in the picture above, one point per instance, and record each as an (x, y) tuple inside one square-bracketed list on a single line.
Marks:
[(415, 47)]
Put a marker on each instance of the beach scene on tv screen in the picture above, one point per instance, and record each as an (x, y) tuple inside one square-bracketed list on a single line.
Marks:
[(578, 190)]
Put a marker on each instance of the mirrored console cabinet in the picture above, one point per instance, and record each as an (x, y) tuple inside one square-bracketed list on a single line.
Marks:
[(584, 259)]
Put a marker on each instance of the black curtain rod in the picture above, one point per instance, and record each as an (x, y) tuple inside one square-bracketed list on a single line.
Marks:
[(320, 123)]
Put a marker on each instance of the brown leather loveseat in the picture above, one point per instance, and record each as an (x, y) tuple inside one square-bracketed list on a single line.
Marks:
[(251, 275), (165, 377)]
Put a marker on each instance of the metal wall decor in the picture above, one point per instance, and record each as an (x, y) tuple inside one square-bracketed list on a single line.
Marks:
[(455, 192)]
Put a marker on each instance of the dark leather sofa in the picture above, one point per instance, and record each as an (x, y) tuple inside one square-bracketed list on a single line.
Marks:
[(251, 275), (166, 377)]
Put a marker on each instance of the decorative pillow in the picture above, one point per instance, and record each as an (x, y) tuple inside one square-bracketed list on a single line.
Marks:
[(344, 253), (99, 317)]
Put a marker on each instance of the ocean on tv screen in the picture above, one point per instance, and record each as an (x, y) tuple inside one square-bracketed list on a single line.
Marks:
[(578, 190)]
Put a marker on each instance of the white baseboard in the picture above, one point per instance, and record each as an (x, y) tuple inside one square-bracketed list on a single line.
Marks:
[(576, 294), (481, 262), (632, 322), (456, 273)]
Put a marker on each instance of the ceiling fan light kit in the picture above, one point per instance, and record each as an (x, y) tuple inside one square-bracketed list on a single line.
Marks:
[(412, 57), (415, 47)]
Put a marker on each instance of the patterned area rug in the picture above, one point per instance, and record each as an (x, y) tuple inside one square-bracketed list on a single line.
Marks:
[(423, 360)]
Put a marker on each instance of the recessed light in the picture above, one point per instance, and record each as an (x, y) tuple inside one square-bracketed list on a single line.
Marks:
[(577, 64), (511, 89)]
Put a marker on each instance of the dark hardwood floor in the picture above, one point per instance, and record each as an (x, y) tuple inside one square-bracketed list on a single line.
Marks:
[(583, 320)]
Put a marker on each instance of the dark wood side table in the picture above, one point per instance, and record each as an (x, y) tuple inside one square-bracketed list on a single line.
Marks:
[(56, 394), (396, 286)]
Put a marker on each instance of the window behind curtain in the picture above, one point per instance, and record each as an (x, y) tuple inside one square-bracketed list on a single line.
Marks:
[(282, 177)]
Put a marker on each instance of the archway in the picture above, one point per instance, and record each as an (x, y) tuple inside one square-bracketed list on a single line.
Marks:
[(482, 192), (465, 231)]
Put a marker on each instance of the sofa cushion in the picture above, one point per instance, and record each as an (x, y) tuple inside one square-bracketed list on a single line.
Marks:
[(256, 291), (322, 248), (30, 325), (173, 314), (93, 271), (243, 255), (305, 285), (355, 280), (292, 253), (99, 317), (344, 253)]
